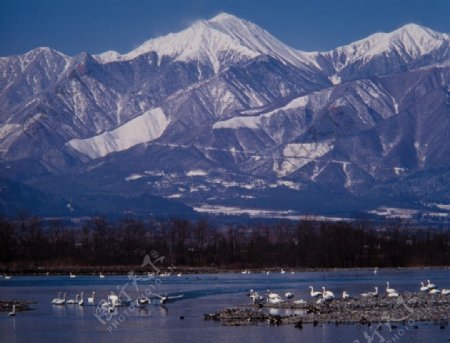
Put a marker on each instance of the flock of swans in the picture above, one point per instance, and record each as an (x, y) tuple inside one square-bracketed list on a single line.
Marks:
[(72, 275), (327, 295), (282, 271), (112, 301)]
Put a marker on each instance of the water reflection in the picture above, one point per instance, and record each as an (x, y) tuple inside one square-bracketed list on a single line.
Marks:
[(144, 311), (164, 311), (59, 310), (290, 312), (274, 311)]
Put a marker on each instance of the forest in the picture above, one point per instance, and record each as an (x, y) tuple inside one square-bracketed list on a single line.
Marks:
[(33, 244)]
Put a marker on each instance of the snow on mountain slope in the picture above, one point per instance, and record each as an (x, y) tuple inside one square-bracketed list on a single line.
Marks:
[(24, 76), (220, 41), (255, 122), (145, 128), (297, 155)]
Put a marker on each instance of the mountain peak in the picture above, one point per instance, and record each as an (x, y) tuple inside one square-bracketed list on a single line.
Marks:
[(408, 41), (223, 16), (210, 40), (418, 33)]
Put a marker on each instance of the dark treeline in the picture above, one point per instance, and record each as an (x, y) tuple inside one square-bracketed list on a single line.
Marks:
[(28, 244)]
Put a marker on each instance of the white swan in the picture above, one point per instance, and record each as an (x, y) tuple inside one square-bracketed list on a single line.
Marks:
[(435, 291), (315, 294), (7, 277), (423, 288), (365, 295), (430, 285), (72, 275), (370, 294), (81, 301), (389, 289), (73, 301), (392, 295), (56, 299), (13, 313), (143, 301), (91, 300), (113, 299), (445, 291), (164, 299), (345, 295), (101, 275), (179, 274), (61, 301), (282, 271), (374, 294), (273, 298), (256, 298), (327, 295)]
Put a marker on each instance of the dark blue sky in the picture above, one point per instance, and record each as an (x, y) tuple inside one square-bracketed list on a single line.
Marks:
[(95, 26)]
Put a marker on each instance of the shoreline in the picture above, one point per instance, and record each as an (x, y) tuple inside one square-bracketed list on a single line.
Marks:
[(409, 307), (124, 270)]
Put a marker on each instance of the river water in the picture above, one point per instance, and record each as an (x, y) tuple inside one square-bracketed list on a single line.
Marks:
[(183, 319)]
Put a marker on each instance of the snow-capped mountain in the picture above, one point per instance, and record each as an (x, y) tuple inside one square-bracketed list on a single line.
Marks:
[(224, 113), (410, 46), (219, 42)]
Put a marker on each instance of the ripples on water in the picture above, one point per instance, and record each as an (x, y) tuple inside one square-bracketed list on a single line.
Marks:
[(202, 294)]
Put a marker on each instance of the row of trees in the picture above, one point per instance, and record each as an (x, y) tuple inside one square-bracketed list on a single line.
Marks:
[(28, 244)]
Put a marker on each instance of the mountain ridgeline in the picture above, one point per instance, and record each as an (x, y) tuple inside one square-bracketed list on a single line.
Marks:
[(224, 115)]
